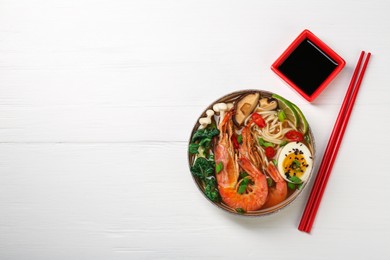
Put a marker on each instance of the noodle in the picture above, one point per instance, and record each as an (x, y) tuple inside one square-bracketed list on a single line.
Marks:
[(275, 131)]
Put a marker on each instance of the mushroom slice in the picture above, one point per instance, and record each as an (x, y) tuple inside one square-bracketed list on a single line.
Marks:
[(244, 107), (267, 104)]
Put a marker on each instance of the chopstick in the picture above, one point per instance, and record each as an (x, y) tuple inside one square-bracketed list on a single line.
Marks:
[(337, 144), (325, 160), (333, 147)]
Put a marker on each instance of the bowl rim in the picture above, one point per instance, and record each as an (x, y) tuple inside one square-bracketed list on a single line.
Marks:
[(269, 211)]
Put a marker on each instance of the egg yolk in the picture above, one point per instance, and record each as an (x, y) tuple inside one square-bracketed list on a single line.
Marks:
[(294, 165)]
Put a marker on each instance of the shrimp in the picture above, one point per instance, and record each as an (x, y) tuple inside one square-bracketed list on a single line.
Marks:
[(256, 194), (228, 184), (278, 193), (224, 152), (247, 148)]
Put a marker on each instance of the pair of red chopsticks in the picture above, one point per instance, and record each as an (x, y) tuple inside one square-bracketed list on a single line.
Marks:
[(333, 146)]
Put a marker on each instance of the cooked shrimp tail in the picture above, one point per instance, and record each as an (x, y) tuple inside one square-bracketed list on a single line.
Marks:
[(277, 193)]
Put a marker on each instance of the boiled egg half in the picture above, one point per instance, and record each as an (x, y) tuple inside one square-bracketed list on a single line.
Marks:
[(295, 159)]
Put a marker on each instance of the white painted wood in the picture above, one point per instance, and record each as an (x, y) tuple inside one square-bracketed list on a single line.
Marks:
[(97, 101)]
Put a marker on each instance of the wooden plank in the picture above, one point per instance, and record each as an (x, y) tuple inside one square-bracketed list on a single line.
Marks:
[(138, 200)]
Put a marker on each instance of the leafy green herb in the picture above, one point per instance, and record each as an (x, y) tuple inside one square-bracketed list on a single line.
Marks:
[(193, 148), (244, 184), (211, 190), (281, 116), (264, 143), (240, 210), (243, 175), (206, 143), (204, 133), (239, 139), (296, 163), (242, 188), (202, 139), (295, 185), (291, 186), (219, 167), (270, 182), (296, 166), (295, 180), (202, 168)]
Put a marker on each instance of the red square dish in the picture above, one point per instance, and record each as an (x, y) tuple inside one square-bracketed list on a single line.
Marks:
[(308, 65)]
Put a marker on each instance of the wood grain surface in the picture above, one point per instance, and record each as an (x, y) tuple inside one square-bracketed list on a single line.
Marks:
[(97, 101)]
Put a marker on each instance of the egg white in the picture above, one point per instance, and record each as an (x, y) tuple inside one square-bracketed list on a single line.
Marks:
[(287, 149)]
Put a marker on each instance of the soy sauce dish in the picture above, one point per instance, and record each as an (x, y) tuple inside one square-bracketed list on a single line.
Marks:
[(251, 152), (308, 65)]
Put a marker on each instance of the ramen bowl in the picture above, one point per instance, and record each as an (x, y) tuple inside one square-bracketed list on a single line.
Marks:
[(251, 153)]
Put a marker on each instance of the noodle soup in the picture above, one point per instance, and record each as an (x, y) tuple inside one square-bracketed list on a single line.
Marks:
[(251, 152)]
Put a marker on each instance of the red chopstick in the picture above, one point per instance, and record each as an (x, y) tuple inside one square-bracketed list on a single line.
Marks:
[(337, 145), (325, 159), (333, 147)]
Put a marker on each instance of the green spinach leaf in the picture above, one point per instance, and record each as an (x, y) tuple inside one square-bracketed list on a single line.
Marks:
[(203, 168), (204, 133), (193, 148), (211, 190)]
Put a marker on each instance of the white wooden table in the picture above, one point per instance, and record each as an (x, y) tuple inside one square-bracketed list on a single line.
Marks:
[(97, 101)]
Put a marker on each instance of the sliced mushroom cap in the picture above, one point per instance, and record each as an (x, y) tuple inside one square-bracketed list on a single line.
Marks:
[(267, 104), (244, 107)]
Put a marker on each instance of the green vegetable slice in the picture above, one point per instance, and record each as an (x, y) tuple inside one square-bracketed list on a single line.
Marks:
[(275, 162), (219, 167), (297, 163), (303, 124), (240, 210), (281, 115), (262, 142), (291, 186), (239, 139), (295, 180), (288, 109), (270, 182), (244, 184), (243, 175), (296, 115)]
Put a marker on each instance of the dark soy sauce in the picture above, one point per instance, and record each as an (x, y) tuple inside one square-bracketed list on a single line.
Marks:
[(307, 66)]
